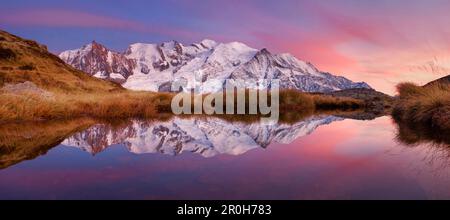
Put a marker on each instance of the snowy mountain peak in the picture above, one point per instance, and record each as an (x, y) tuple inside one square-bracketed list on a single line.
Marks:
[(99, 61), (153, 67), (98, 48), (264, 51), (208, 44), (231, 54), (95, 43)]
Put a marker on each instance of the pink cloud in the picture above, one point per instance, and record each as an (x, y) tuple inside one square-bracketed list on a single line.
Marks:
[(316, 49), (70, 18)]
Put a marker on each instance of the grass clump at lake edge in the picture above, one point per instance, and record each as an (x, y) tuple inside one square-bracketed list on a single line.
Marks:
[(428, 106), (127, 104)]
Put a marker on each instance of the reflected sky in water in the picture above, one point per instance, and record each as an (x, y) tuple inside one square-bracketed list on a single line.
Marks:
[(346, 159)]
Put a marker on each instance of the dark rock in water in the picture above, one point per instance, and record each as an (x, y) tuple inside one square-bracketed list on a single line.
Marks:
[(362, 115)]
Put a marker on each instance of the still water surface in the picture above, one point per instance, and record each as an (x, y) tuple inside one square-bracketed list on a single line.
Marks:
[(322, 157)]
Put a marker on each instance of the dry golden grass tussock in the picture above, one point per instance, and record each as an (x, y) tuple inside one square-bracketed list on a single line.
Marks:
[(429, 105), (26, 107)]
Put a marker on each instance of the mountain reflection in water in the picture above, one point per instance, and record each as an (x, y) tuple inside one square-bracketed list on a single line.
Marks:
[(207, 136), (317, 156)]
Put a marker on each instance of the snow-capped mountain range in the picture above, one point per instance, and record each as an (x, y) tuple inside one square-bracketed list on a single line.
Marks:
[(206, 136), (153, 67)]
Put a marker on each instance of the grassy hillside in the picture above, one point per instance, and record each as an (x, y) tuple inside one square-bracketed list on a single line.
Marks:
[(24, 60), (425, 106), (36, 84), (444, 80)]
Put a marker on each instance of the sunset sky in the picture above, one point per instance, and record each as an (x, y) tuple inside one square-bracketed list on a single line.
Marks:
[(380, 42)]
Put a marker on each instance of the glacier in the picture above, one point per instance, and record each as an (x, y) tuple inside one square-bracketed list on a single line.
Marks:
[(154, 67)]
